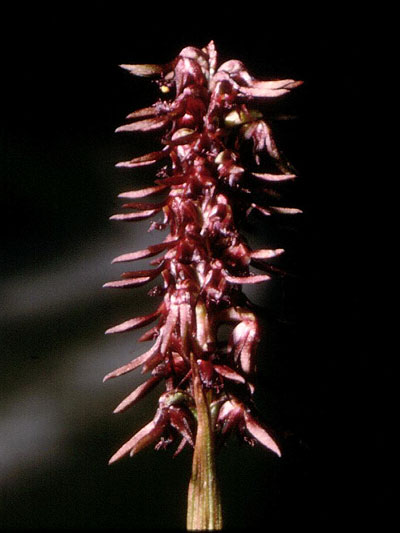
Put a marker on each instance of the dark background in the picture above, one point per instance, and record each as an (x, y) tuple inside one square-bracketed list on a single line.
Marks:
[(319, 386)]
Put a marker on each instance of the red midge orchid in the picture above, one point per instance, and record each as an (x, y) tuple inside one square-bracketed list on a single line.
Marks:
[(206, 118)]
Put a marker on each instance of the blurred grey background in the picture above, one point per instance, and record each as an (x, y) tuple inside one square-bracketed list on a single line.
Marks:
[(65, 95)]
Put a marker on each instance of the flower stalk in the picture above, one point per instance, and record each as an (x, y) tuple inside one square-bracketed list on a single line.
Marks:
[(204, 191), (204, 501)]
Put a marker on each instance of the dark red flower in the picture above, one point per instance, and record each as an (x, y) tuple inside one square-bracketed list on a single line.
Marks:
[(203, 192)]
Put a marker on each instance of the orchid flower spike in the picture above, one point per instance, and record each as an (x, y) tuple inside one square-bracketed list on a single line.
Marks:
[(202, 192)]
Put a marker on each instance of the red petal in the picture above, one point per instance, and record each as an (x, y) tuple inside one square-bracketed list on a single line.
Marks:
[(185, 323), (234, 314), (126, 283), (229, 415), (134, 323), (182, 138), (248, 350), (212, 54), (151, 273), (147, 252), (144, 205), (150, 111), (134, 363), (260, 434), (243, 342), (182, 444), (278, 84), (266, 253), (152, 362), (285, 210), (274, 177), (172, 180), (179, 421), (168, 328), (137, 394), (238, 338), (141, 193), (140, 215), (270, 88), (263, 210), (262, 92), (149, 335), (147, 159), (148, 434), (228, 373), (275, 210), (144, 70), (259, 278), (145, 125)]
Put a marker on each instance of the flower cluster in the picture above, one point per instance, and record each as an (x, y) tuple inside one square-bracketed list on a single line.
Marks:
[(206, 118)]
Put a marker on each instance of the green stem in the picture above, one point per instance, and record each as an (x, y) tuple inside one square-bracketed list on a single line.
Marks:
[(204, 504)]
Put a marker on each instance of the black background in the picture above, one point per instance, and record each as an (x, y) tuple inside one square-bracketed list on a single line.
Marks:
[(319, 387)]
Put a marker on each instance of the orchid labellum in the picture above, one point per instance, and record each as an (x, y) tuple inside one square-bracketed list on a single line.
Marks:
[(205, 119)]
